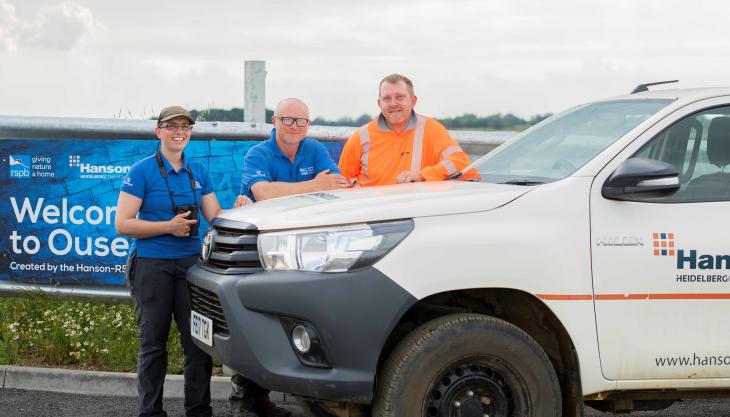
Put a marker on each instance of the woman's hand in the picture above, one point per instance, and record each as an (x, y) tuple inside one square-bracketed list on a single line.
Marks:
[(180, 225)]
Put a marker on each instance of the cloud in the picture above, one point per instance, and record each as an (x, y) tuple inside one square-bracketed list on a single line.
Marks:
[(8, 21), (58, 27), (475, 56)]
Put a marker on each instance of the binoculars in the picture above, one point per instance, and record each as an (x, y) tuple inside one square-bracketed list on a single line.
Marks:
[(193, 209)]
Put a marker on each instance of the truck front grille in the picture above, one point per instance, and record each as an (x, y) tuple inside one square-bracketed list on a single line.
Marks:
[(207, 303), (231, 248)]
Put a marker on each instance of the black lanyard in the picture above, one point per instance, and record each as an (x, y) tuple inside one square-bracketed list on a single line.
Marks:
[(163, 172)]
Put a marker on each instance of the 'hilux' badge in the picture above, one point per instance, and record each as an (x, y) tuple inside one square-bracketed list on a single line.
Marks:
[(620, 241)]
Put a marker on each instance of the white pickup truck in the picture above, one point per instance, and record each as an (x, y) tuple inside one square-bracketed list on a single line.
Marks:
[(590, 264)]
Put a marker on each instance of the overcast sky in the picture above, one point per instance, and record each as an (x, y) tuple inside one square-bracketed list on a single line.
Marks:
[(100, 58)]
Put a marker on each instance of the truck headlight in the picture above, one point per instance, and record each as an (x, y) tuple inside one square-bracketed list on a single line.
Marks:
[(337, 249)]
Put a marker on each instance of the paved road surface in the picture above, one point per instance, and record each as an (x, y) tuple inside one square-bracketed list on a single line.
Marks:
[(20, 403)]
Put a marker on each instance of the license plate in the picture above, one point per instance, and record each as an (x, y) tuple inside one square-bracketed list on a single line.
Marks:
[(201, 328)]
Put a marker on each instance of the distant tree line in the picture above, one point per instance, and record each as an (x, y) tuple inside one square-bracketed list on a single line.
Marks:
[(221, 115), (343, 121), (469, 121), (497, 121)]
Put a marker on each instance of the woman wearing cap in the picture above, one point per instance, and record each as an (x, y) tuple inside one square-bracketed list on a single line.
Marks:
[(159, 205)]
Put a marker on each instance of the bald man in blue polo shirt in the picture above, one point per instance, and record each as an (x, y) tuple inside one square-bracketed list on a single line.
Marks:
[(288, 163)]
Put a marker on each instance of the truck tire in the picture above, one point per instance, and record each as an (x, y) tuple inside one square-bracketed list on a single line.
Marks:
[(467, 365)]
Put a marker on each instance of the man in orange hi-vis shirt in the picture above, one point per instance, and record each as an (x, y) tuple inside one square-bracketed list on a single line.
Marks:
[(400, 145)]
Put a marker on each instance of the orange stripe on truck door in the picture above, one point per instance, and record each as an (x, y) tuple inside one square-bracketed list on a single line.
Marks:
[(613, 297), (565, 296)]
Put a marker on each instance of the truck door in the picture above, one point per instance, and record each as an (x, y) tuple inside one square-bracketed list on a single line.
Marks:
[(661, 262)]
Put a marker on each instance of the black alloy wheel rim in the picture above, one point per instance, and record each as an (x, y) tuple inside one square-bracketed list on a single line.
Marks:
[(476, 387)]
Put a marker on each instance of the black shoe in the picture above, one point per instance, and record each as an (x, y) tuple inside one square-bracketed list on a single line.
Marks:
[(268, 409)]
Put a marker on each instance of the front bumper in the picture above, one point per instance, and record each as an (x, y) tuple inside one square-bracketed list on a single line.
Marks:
[(353, 313)]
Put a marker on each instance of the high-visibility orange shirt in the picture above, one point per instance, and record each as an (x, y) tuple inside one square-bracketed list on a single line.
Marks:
[(379, 160)]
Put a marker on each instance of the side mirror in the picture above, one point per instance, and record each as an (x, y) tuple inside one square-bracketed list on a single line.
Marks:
[(641, 175)]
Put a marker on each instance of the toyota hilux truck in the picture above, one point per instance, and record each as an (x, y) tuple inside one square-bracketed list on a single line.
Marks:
[(589, 264)]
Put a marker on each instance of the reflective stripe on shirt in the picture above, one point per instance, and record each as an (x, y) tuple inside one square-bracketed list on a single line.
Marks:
[(450, 151), (450, 168), (417, 150), (365, 143), (447, 163)]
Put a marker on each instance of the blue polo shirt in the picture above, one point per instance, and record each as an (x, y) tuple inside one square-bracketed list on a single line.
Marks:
[(145, 181), (266, 162)]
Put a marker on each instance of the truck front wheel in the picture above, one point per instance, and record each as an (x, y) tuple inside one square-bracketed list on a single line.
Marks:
[(467, 365)]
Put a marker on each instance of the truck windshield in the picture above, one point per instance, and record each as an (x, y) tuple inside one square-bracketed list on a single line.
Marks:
[(564, 143)]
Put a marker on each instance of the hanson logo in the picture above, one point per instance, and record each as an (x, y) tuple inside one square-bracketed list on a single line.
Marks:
[(663, 244), (687, 258), (75, 161)]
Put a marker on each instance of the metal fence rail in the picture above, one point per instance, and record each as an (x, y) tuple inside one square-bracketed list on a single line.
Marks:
[(32, 127)]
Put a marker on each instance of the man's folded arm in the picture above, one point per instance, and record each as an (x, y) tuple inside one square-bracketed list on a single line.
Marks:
[(451, 158), (264, 190), (446, 167)]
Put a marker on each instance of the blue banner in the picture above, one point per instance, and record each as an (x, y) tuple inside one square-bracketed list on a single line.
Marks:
[(58, 203)]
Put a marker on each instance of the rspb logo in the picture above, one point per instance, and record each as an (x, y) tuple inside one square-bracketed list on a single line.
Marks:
[(19, 166)]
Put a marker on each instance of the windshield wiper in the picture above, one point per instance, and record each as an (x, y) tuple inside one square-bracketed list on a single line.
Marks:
[(522, 182)]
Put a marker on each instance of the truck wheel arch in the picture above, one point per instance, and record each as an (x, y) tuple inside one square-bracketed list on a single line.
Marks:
[(519, 308)]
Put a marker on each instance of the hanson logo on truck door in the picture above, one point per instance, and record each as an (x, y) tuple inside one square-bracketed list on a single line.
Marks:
[(664, 245)]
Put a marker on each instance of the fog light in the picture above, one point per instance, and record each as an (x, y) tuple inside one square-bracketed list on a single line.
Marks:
[(305, 342), (300, 337)]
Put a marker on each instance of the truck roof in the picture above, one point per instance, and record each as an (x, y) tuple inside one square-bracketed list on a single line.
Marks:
[(684, 95)]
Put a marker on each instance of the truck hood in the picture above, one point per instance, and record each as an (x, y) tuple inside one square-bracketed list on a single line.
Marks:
[(371, 204)]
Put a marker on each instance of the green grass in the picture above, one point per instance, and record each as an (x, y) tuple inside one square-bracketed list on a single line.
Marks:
[(37, 331)]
